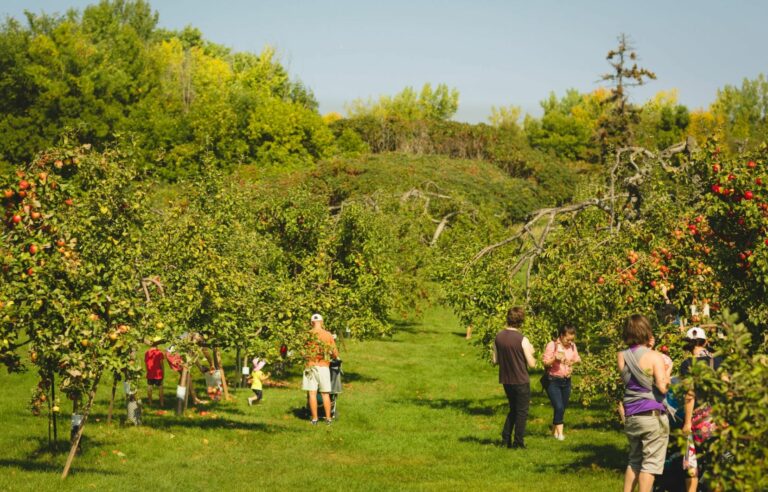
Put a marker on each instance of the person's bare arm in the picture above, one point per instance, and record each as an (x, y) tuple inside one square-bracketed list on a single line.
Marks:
[(660, 373), (494, 355), (690, 402), (620, 361), (528, 350), (335, 353), (548, 358)]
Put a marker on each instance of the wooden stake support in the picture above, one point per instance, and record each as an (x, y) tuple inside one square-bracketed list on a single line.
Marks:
[(181, 402), (79, 435)]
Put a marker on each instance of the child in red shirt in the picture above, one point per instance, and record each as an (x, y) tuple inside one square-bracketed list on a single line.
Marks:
[(153, 359)]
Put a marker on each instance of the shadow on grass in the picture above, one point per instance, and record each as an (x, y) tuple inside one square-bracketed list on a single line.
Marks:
[(465, 405), (302, 413), (599, 424), (62, 445), (481, 441), (412, 328), (37, 466), (168, 422), (590, 457), (356, 377)]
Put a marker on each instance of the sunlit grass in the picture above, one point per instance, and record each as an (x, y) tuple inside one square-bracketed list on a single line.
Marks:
[(420, 411)]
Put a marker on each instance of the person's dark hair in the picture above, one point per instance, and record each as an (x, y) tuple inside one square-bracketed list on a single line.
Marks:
[(515, 317), (563, 330), (690, 344), (637, 330), (667, 313)]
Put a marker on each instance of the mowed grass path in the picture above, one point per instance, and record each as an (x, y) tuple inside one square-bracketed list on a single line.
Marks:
[(419, 412)]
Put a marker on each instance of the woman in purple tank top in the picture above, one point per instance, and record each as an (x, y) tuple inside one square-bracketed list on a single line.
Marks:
[(646, 381)]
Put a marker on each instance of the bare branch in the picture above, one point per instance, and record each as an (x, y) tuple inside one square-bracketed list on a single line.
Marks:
[(440, 228)]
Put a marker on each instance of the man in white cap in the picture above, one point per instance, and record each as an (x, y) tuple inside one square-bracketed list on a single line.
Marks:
[(696, 410), (321, 348)]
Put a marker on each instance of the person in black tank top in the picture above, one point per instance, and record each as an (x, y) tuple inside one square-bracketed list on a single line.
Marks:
[(514, 354)]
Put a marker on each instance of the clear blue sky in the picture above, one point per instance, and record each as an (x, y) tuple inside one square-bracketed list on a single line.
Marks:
[(494, 52)]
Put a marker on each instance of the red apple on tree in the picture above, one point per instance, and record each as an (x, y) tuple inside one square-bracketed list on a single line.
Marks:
[(23, 184), (16, 219), (751, 164), (748, 195)]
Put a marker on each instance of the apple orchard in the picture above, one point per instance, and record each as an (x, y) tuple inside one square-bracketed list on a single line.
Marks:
[(91, 271), (94, 264)]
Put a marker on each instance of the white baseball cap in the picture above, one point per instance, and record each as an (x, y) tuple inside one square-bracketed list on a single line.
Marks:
[(316, 317), (696, 333)]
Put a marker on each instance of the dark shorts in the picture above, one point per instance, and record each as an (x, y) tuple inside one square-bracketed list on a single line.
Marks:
[(258, 393), (155, 382)]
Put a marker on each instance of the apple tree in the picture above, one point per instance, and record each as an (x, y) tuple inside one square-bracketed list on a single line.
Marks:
[(69, 289)]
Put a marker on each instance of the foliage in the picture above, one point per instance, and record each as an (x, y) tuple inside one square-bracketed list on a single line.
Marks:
[(69, 284), (504, 116), (185, 101), (662, 121), (567, 127), (737, 394), (741, 113), (438, 104)]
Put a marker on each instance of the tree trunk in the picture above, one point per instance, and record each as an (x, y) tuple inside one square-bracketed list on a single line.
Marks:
[(220, 364), (239, 365), (112, 399)]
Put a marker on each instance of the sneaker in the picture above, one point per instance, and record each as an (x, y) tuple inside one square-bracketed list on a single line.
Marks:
[(250, 402), (516, 445), (560, 437), (328, 422), (313, 422)]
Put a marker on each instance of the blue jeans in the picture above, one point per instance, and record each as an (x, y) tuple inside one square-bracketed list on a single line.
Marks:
[(559, 392)]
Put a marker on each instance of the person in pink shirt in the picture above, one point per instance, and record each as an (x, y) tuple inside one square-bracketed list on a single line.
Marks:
[(559, 357)]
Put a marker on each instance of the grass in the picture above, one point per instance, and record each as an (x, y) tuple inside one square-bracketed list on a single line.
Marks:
[(419, 412)]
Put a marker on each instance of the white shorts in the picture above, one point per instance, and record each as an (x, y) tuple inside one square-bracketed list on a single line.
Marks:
[(316, 378)]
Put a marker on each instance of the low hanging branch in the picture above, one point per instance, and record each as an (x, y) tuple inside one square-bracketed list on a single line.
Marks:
[(527, 229), (638, 160)]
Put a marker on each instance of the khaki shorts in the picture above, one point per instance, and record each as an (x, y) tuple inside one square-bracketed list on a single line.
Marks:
[(648, 439), (316, 378)]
